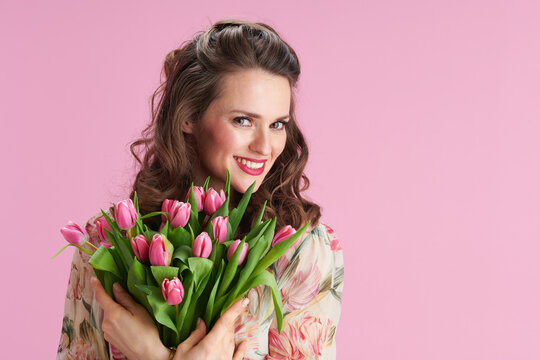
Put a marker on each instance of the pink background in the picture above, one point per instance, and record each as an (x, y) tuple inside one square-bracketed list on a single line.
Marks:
[(423, 119)]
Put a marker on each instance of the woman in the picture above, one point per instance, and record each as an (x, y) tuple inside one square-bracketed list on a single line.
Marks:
[(226, 103)]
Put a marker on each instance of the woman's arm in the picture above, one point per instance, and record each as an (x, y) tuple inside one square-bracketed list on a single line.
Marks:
[(310, 278), (81, 335)]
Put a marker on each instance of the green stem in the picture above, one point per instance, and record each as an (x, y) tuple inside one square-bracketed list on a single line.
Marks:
[(83, 249), (64, 248), (92, 245)]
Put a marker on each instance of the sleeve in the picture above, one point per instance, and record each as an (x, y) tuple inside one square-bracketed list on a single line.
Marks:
[(310, 278), (81, 336)]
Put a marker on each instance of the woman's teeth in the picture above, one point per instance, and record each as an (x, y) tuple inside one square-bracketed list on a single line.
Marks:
[(250, 164)]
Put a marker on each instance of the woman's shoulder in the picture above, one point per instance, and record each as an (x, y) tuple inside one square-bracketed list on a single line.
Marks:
[(324, 234)]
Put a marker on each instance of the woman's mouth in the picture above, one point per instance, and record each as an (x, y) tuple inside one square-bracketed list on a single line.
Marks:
[(252, 166)]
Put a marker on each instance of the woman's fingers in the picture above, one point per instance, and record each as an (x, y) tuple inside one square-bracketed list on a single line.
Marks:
[(196, 336), (104, 300), (240, 351), (124, 299)]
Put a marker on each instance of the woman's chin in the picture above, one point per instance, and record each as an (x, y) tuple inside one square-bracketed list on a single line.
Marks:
[(243, 186)]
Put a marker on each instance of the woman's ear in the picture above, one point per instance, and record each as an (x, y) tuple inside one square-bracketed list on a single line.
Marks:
[(187, 127)]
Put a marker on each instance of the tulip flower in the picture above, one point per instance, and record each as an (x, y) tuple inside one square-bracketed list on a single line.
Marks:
[(160, 252), (125, 214), (178, 212), (219, 225), (74, 234), (101, 225), (202, 245), (173, 291), (243, 251), (141, 247), (199, 196), (285, 233), (165, 206), (213, 201)]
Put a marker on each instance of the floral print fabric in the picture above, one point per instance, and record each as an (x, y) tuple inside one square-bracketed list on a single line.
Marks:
[(309, 276)]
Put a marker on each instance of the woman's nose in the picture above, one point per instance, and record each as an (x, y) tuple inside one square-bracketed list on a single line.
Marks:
[(261, 143)]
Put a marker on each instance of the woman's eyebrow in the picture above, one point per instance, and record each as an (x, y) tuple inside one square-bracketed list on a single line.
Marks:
[(257, 116)]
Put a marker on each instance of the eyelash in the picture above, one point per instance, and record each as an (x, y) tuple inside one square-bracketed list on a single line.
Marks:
[(284, 123)]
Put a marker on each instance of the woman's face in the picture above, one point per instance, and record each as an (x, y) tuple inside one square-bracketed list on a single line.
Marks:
[(242, 130)]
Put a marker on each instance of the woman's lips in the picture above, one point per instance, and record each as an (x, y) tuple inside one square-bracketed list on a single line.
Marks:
[(249, 170)]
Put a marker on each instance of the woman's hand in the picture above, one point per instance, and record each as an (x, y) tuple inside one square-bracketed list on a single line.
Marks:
[(128, 326), (218, 344)]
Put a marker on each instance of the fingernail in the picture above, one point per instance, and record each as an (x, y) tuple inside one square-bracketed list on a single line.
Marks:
[(199, 322), (245, 302), (117, 287)]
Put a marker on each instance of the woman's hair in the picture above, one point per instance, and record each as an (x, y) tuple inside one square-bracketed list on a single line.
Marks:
[(193, 79)]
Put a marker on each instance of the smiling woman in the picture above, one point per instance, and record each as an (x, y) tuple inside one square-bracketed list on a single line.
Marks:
[(226, 103)]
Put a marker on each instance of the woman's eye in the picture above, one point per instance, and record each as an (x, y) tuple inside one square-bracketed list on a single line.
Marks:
[(279, 125), (242, 121)]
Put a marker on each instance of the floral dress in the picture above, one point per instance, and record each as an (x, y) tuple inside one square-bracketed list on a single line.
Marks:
[(309, 276)]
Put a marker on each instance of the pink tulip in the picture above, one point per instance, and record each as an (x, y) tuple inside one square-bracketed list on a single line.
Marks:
[(74, 233), (199, 196), (178, 212), (283, 234), (165, 207), (219, 224), (160, 252), (213, 201), (233, 248), (141, 247), (173, 291), (107, 245), (101, 225), (202, 245), (125, 214)]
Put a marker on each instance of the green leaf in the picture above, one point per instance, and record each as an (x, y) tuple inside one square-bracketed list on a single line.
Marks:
[(268, 279), (163, 312), (179, 237), (238, 212), (194, 216), (260, 216), (182, 253), (103, 260), (164, 272), (206, 182), (155, 213), (210, 303), (137, 276), (200, 268), (136, 202), (258, 247), (230, 269)]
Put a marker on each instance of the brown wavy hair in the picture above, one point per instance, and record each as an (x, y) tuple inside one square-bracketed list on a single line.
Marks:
[(193, 77)]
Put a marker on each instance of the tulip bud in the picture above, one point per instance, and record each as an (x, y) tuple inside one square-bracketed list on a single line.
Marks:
[(202, 245), (173, 291), (243, 251), (165, 207), (101, 225), (283, 234), (141, 247), (199, 196), (160, 252), (213, 201), (219, 224), (107, 245), (74, 234), (125, 214), (179, 213)]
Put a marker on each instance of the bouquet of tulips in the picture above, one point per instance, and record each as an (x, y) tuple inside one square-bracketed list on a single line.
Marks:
[(192, 266)]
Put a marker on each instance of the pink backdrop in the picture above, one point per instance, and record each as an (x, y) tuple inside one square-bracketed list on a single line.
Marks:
[(424, 123)]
